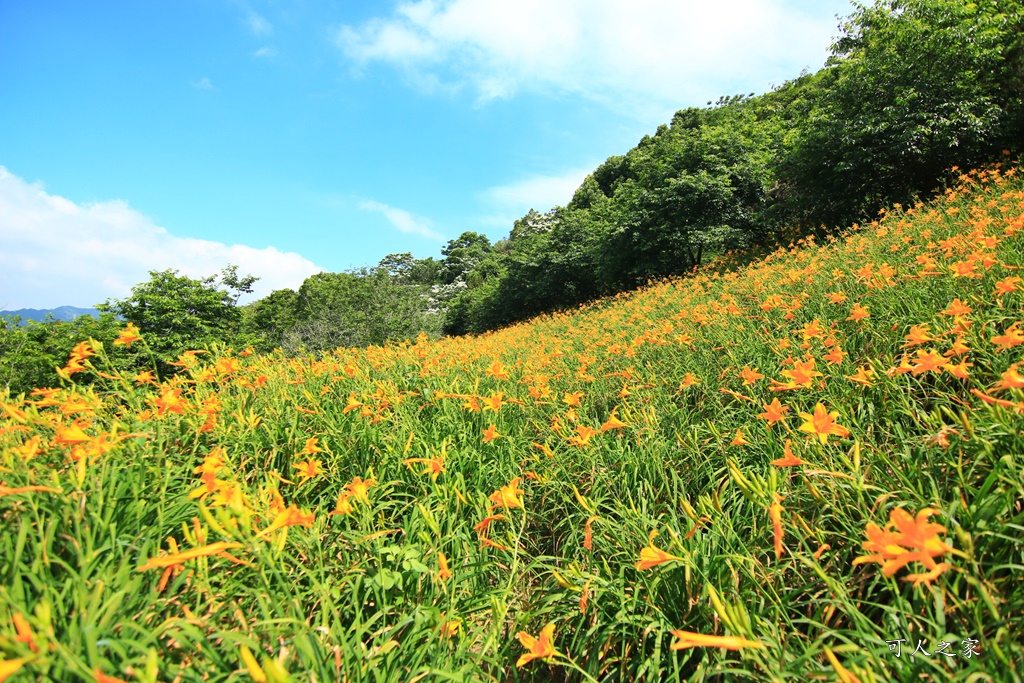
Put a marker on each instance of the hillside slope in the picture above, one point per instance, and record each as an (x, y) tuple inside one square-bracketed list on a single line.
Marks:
[(766, 473)]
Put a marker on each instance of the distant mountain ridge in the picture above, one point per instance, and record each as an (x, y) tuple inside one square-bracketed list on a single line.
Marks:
[(59, 313)]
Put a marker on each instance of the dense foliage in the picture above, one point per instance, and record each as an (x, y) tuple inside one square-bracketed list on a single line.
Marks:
[(913, 88), (774, 472)]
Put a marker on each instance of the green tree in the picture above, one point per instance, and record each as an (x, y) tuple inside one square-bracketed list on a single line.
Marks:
[(30, 352), (358, 308), (461, 254), (176, 313), (913, 88), (692, 188), (269, 319), (404, 268)]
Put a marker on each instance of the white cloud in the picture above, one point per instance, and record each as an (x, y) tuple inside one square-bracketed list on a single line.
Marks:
[(507, 203), (402, 220), (258, 25), (539, 192), (55, 252), (675, 51), (203, 83), (267, 52)]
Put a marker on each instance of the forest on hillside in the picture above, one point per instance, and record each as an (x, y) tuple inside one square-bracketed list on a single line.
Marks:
[(912, 90)]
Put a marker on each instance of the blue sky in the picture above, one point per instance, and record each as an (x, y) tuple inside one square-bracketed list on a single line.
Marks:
[(293, 136)]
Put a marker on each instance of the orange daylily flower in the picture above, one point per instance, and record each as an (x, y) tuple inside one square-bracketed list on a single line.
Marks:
[(1011, 379), (170, 401), (927, 361), (213, 462), (835, 355), (537, 648), (800, 376), (812, 330), (491, 433), (353, 404), (443, 572), (906, 539), (481, 526), (959, 371), (775, 513), (749, 376), (311, 447), (572, 399), (919, 334), (342, 506), (8, 667), (773, 412), (963, 269), (70, 436), (497, 370), (508, 496), (432, 466), (145, 377), (822, 424), (1012, 337), (358, 488), (688, 639), (1007, 285), (613, 422), (787, 459), (863, 376), (227, 366), (16, 413), (82, 350), (689, 379), (179, 558), (488, 543), (450, 627), (544, 449), (957, 308), (30, 449), (739, 439), (583, 435), (290, 516), (309, 468), (652, 556), (493, 402), (858, 313), (24, 630)]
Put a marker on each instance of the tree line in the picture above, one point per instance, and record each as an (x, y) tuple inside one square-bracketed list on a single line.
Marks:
[(912, 89)]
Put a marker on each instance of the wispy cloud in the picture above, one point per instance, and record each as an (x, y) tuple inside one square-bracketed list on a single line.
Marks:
[(506, 203), (402, 220), (203, 83), (675, 51), (266, 52), (258, 25), (540, 192), (54, 251)]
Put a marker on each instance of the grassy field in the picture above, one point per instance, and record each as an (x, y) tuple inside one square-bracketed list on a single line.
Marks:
[(761, 472)]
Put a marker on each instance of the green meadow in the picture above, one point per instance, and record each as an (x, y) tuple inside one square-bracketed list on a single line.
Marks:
[(801, 466)]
